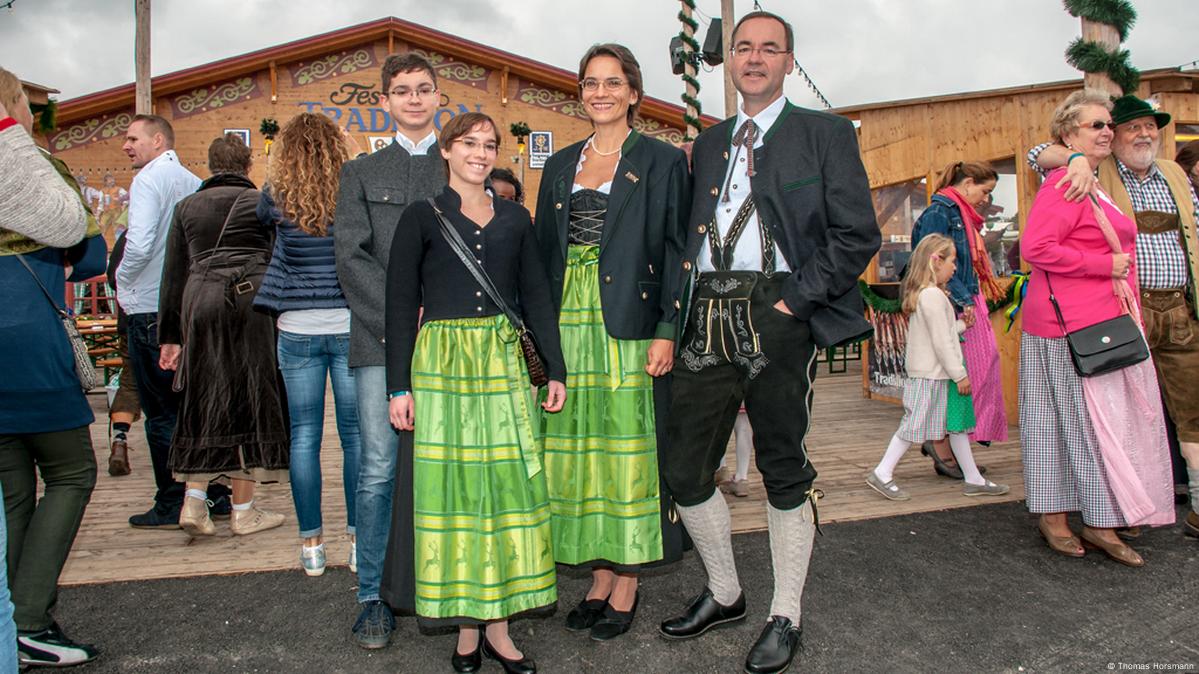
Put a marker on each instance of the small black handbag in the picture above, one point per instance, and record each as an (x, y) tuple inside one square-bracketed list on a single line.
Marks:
[(1106, 346)]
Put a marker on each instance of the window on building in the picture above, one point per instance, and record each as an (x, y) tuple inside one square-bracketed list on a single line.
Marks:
[(1001, 229), (1183, 134), (896, 207)]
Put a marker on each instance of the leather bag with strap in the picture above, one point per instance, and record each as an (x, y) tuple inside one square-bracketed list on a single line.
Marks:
[(528, 344)]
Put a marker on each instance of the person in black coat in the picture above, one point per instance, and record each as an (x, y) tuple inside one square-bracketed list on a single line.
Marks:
[(232, 417), (611, 214), (781, 226)]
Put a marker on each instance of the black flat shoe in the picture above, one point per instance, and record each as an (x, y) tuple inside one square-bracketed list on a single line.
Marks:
[(614, 623), (703, 614), (471, 662), (583, 616), (775, 648), (944, 469), (522, 666)]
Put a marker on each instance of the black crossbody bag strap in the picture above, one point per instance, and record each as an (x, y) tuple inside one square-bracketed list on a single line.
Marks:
[(472, 265), (1056, 309), (58, 310)]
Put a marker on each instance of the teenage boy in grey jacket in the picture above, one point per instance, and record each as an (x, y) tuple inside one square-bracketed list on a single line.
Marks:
[(373, 194)]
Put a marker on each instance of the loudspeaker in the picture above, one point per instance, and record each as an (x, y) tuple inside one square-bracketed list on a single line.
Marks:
[(713, 49), (678, 55)]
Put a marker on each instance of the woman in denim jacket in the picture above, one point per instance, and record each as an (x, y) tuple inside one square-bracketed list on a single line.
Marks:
[(961, 188)]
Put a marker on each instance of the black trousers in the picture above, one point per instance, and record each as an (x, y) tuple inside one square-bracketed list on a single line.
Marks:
[(761, 357)]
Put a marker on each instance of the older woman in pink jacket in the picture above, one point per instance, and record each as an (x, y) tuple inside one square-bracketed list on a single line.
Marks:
[(1097, 444)]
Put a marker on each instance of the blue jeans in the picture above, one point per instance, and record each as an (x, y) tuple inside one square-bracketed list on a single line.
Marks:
[(8, 628), (376, 477), (307, 363)]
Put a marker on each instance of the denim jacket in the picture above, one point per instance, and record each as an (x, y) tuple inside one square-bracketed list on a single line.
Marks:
[(943, 217)]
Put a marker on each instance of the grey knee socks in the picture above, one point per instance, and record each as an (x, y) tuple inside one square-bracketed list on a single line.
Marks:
[(710, 529), (1193, 487), (792, 533)]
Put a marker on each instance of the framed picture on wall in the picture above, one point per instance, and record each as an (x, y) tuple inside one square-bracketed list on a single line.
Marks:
[(244, 133), (378, 142)]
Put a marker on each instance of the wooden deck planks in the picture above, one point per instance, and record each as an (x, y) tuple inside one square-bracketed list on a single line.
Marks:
[(847, 438)]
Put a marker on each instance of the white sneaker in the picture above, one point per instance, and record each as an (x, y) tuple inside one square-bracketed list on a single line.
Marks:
[(354, 556), (313, 559)]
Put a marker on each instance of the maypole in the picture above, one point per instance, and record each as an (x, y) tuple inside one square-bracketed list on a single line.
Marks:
[(690, 49), (1105, 24)]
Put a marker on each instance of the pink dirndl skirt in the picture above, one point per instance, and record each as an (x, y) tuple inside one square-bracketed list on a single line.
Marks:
[(982, 366)]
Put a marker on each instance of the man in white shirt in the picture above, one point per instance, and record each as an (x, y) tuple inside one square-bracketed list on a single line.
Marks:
[(158, 186)]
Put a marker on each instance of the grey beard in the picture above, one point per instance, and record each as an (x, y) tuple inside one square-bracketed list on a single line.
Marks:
[(1136, 159)]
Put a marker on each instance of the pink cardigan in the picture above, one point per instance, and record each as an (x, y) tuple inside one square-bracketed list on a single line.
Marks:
[(1064, 239)]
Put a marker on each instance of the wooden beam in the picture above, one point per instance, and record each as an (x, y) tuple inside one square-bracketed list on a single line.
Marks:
[(1182, 84), (143, 102), (726, 42)]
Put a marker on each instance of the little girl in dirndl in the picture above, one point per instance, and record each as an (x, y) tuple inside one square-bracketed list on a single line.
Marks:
[(936, 397)]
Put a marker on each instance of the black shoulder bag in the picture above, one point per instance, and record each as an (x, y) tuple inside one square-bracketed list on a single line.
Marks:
[(528, 346), (1109, 345)]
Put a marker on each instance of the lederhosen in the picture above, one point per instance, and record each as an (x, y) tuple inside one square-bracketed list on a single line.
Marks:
[(1171, 330), (736, 347)]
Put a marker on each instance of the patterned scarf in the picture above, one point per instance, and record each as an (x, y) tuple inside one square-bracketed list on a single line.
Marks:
[(979, 259), (1124, 293)]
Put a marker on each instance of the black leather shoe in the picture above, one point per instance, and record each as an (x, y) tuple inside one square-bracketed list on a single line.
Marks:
[(944, 469), (702, 615), (524, 665), (614, 623), (156, 518), (471, 662), (583, 616), (775, 648)]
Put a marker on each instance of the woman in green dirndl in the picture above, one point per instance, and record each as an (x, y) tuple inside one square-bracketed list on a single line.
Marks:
[(481, 545), (611, 213)]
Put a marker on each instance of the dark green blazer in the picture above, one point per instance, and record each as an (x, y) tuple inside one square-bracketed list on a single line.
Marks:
[(811, 190), (642, 240)]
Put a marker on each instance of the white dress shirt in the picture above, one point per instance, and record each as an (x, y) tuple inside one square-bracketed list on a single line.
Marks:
[(156, 189), (747, 254), (416, 148)]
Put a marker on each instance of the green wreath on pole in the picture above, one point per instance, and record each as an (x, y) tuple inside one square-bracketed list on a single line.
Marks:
[(688, 120), (1092, 57)]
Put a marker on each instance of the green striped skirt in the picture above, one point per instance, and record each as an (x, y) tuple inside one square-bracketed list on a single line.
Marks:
[(480, 510), (601, 459)]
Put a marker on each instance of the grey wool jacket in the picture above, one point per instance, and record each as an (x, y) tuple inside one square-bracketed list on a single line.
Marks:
[(374, 192)]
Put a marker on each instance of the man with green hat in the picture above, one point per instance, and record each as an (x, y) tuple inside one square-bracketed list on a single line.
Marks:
[(1157, 192)]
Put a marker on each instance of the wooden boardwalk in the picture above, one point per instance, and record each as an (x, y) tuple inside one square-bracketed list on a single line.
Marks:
[(847, 438)]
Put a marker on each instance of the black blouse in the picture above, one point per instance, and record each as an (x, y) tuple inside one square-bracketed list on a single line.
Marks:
[(423, 270)]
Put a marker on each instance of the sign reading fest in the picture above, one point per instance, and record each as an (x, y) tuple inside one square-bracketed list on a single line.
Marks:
[(358, 107)]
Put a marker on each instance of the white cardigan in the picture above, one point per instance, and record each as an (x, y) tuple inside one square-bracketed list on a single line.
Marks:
[(933, 350)]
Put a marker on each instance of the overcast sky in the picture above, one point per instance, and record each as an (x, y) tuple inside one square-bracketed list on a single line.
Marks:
[(856, 51)]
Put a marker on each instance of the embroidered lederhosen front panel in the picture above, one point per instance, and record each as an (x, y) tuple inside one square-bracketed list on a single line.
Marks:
[(721, 325)]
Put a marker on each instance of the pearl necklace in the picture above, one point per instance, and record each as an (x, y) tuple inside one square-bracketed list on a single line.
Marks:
[(591, 142)]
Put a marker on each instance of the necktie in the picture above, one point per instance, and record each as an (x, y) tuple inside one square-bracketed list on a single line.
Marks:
[(744, 138)]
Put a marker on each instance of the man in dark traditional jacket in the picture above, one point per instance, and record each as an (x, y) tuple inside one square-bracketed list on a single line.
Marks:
[(781, 226)]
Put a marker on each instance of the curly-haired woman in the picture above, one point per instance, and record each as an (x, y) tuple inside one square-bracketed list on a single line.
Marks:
[(301, 287)]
